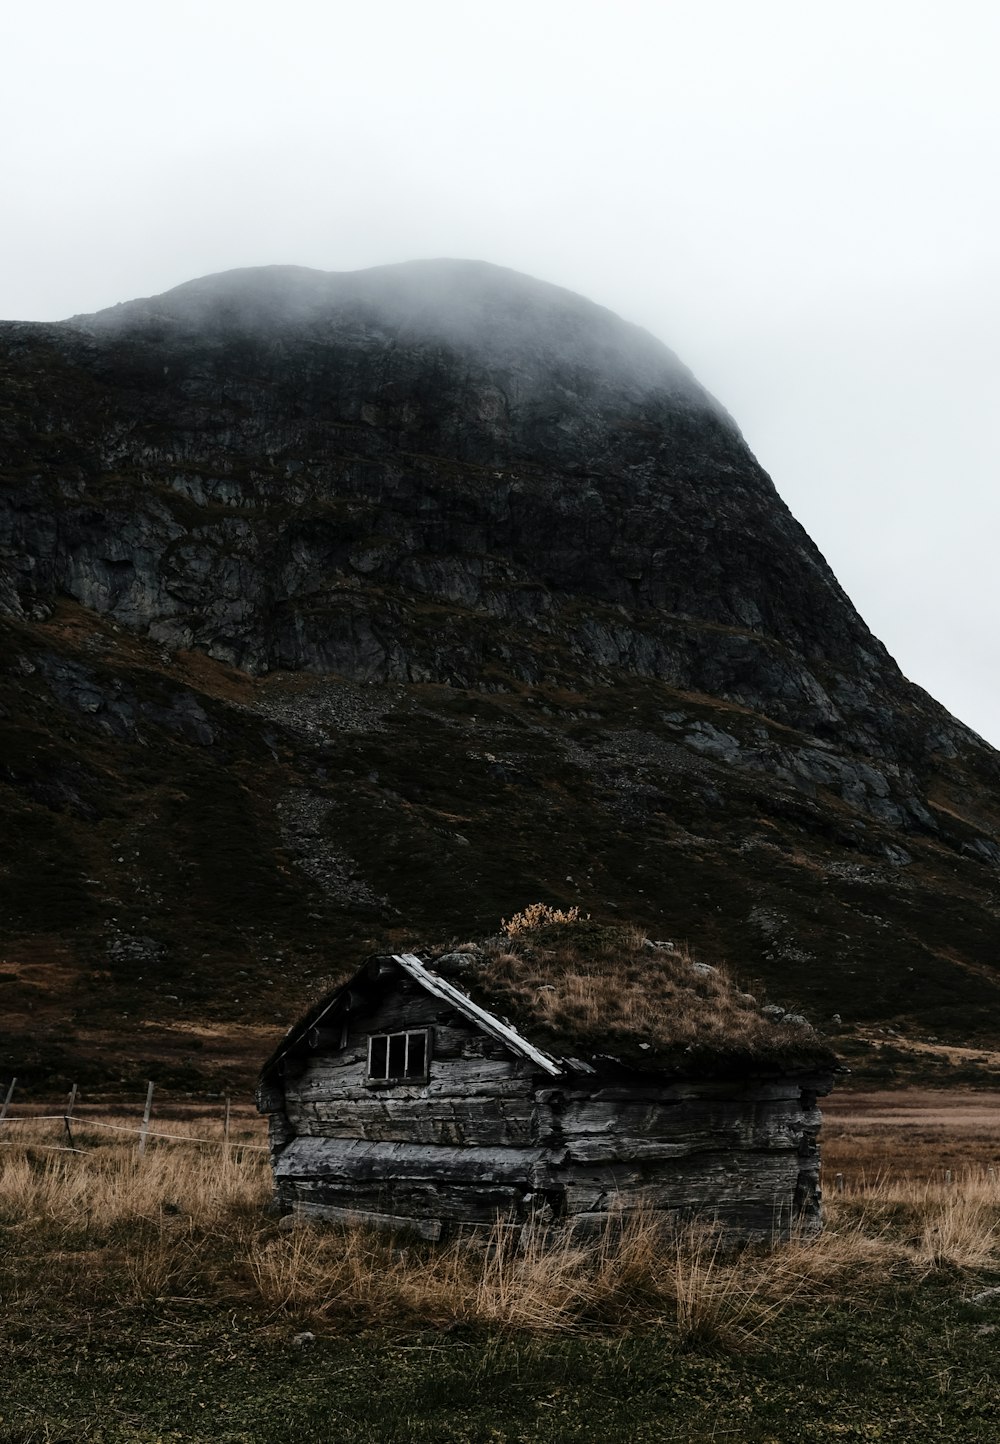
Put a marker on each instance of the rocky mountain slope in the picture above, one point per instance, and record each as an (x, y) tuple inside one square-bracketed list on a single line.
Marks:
[(352, 608)]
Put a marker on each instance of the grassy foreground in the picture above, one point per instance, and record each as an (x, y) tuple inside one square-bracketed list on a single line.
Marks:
[(154, 1300)]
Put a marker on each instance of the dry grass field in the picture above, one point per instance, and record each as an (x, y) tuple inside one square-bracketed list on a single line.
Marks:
[(919, 1187), (106, 1226), (911, 1133), (150, 1298)]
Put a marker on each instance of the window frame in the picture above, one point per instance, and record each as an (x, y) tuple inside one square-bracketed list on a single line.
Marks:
[(400, 1079)]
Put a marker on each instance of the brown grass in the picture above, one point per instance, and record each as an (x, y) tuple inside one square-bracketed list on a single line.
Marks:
[(582, 986), (111, 1185), (188, 1225), (913, 1133)]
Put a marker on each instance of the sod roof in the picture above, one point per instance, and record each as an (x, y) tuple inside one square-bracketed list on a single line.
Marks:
[(611, 998)]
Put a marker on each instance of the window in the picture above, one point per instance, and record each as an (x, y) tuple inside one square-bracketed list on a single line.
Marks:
[(394, 1057)]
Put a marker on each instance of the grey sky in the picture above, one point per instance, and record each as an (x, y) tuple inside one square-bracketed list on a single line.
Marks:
[(801, 200)]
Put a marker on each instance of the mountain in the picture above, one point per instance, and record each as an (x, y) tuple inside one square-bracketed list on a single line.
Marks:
[(349, 609)]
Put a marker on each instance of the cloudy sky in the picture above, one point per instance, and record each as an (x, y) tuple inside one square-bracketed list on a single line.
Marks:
[(800, 199)]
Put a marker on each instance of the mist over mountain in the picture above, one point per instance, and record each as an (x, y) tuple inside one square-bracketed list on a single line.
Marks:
[(348, 607), (495, 317)]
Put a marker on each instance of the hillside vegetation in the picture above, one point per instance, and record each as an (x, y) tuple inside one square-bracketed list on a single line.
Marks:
[(171, 904)]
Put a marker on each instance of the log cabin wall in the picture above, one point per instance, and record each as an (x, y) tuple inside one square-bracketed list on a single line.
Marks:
[(477, 1093), (459, 1148), (743, 1152), (489, 1132)]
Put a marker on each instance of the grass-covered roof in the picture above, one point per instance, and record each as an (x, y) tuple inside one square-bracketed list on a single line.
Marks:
[(581, 989), (607, 995)]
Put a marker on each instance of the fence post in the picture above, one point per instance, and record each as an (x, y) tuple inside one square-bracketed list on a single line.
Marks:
[(68, 1116), (838, 1182), (6, 1101), (947, 1175), (145, 1120), (225, 1128)]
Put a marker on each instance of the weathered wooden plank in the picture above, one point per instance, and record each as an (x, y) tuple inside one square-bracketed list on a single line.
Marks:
[(632, 1150), (449, 1041), (482, 1121), (280, 1132), (482, 1047), (456, 1070), (353, 1055), (399, 1010), (764, 1183), (662, 1118), (456, 1077), (377, 1117), (609, 1135), (427, 1228), (453, 1204), (741, 1091), (593, 1147), (270, 1098), (352, 1158)]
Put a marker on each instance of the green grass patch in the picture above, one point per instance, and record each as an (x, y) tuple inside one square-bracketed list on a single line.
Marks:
[(912, 1365)]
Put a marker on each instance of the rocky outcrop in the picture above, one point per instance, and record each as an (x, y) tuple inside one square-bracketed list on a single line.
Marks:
[(278, 466), (440, 472)]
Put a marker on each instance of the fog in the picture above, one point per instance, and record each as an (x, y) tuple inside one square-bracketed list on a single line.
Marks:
[(800, 201), (524, 332)]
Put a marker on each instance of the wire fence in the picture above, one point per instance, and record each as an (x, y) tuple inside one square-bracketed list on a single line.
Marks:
[(73, 1117)]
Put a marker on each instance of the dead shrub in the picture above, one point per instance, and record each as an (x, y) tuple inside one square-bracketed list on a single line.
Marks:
[(539, 915)]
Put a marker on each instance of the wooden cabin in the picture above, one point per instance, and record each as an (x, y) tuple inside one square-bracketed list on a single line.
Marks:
[(401, 1101)]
